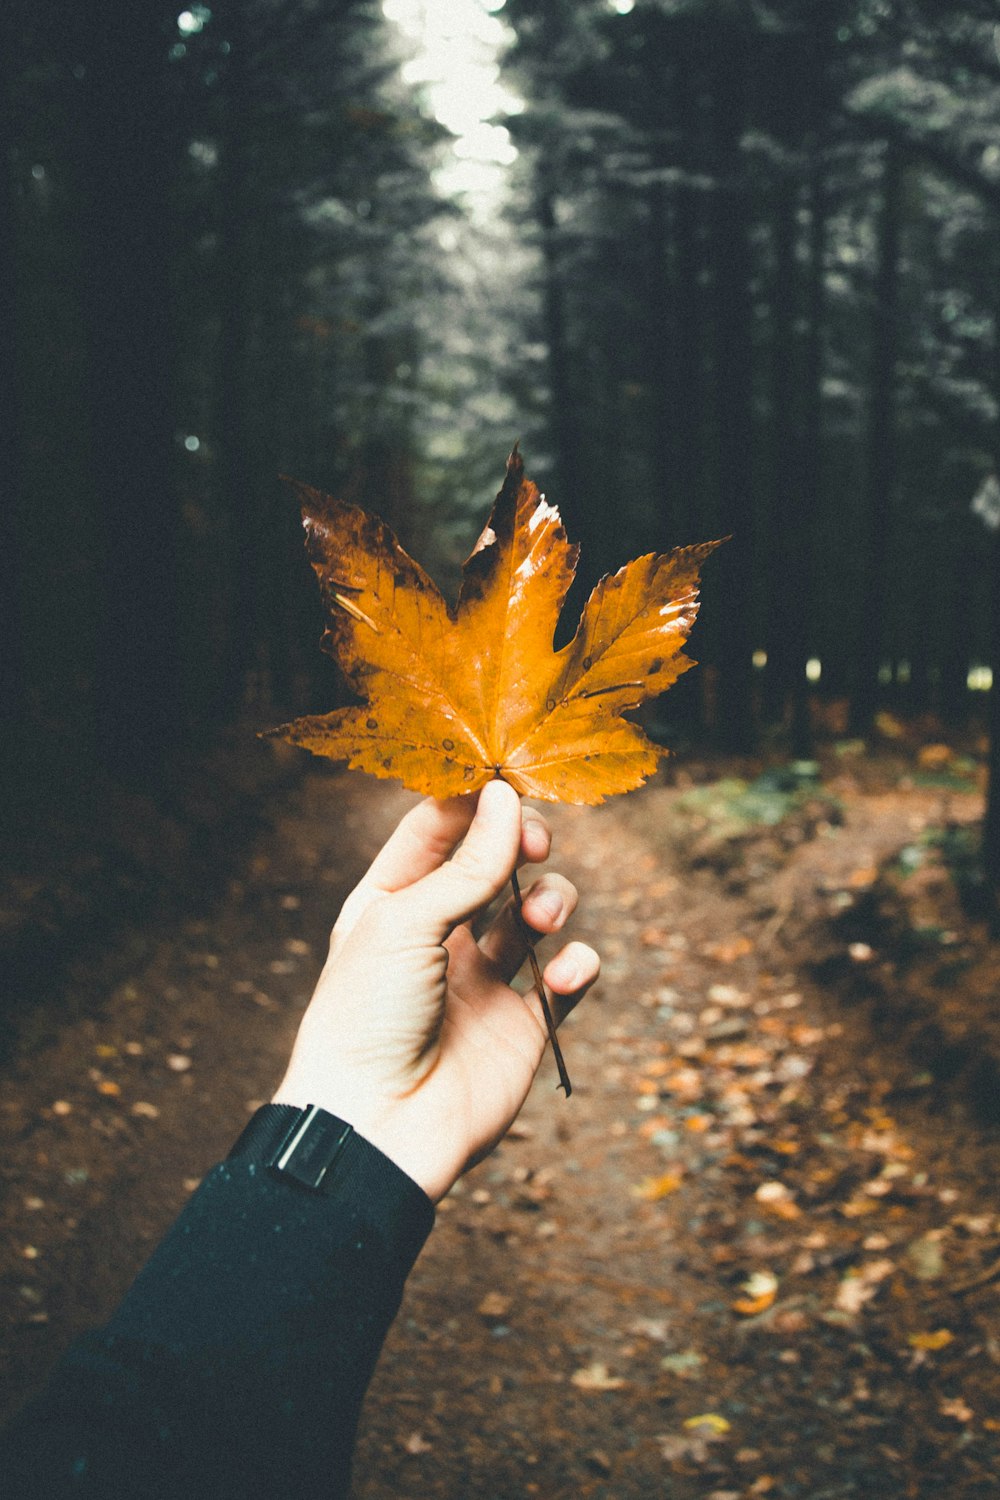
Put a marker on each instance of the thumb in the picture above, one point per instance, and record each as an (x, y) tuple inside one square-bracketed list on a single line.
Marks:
[(476, 873)]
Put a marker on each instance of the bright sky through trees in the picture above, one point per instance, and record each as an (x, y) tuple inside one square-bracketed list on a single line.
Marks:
[(455, 66)]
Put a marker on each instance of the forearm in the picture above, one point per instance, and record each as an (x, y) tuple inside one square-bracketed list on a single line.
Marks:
[(236, 1364)]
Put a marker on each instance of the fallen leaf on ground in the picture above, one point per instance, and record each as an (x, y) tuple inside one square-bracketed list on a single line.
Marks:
[(684, 1363), (859, 1286), (709, 1419), (652, 1189), (686, 1085), (726, 994), (858, 1206), (596, 1377), (495, 1305), (730, 950), (655, 1329), (779, 1199), (924, 1258), (761, 1288), (939, 1339), (694, 1446)]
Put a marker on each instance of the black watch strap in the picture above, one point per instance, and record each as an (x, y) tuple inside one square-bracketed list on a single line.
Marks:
[(303, 1144)]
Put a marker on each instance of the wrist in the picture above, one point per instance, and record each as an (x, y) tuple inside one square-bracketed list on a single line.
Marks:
[(412, 1147), (306, 1155)]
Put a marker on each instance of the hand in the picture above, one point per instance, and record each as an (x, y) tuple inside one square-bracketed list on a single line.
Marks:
[(414, 1035)]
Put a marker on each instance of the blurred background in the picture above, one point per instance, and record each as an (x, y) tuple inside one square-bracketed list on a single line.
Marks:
[(720, 267)]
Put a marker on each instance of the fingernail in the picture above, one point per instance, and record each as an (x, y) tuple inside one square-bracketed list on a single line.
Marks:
[(566, 972), (546, 904), (492, 799)]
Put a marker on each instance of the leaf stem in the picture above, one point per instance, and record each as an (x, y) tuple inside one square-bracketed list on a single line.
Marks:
[(536, 975)]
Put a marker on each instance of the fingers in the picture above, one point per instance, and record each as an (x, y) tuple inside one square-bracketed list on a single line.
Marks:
[(568, 976), (573, 969), (428, 834), (455, 890), (547, 907), (422, 841), (536, 837)]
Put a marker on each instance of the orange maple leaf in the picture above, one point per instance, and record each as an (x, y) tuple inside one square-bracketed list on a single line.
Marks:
[(454, 696)]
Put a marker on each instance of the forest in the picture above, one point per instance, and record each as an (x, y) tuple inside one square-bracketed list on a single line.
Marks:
[(719, 268)]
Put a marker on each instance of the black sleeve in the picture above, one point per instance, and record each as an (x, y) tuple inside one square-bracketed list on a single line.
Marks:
[(237, 1362)]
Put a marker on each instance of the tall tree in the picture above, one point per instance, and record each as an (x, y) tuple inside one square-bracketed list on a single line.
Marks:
[(13, 684), (991, 822), (880, 461), (127, 152), (732, 269)]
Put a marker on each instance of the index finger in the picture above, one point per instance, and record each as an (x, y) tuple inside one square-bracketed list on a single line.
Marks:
[(430, 833), (420, 843)]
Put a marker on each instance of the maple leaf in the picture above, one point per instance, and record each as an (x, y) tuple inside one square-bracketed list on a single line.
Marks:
[(454, 696)]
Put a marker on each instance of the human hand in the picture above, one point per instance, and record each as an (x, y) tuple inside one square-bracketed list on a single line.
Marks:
[(414, 1035)]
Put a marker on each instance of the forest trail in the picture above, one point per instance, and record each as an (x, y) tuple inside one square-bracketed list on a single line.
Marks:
[(755, 1254)]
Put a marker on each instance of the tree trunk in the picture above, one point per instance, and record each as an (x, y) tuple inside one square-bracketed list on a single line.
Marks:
[(13, 684), (127, 162), (661, 365), (880, 478), (787, 517), (811, 461), (238, 485), (991, 822), (689, 374), (732, 266), (576, 503)]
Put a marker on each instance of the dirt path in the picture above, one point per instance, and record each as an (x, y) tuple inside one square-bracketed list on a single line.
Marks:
[(753, 1255)]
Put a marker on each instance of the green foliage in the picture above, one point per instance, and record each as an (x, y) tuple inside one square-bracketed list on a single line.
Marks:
[(960, 848), (733, 806)]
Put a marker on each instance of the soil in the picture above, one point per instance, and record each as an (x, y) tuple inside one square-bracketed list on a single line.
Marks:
[(756, 1253)]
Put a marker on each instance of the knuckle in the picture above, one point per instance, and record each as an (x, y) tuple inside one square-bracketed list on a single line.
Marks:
[(473, 867)]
